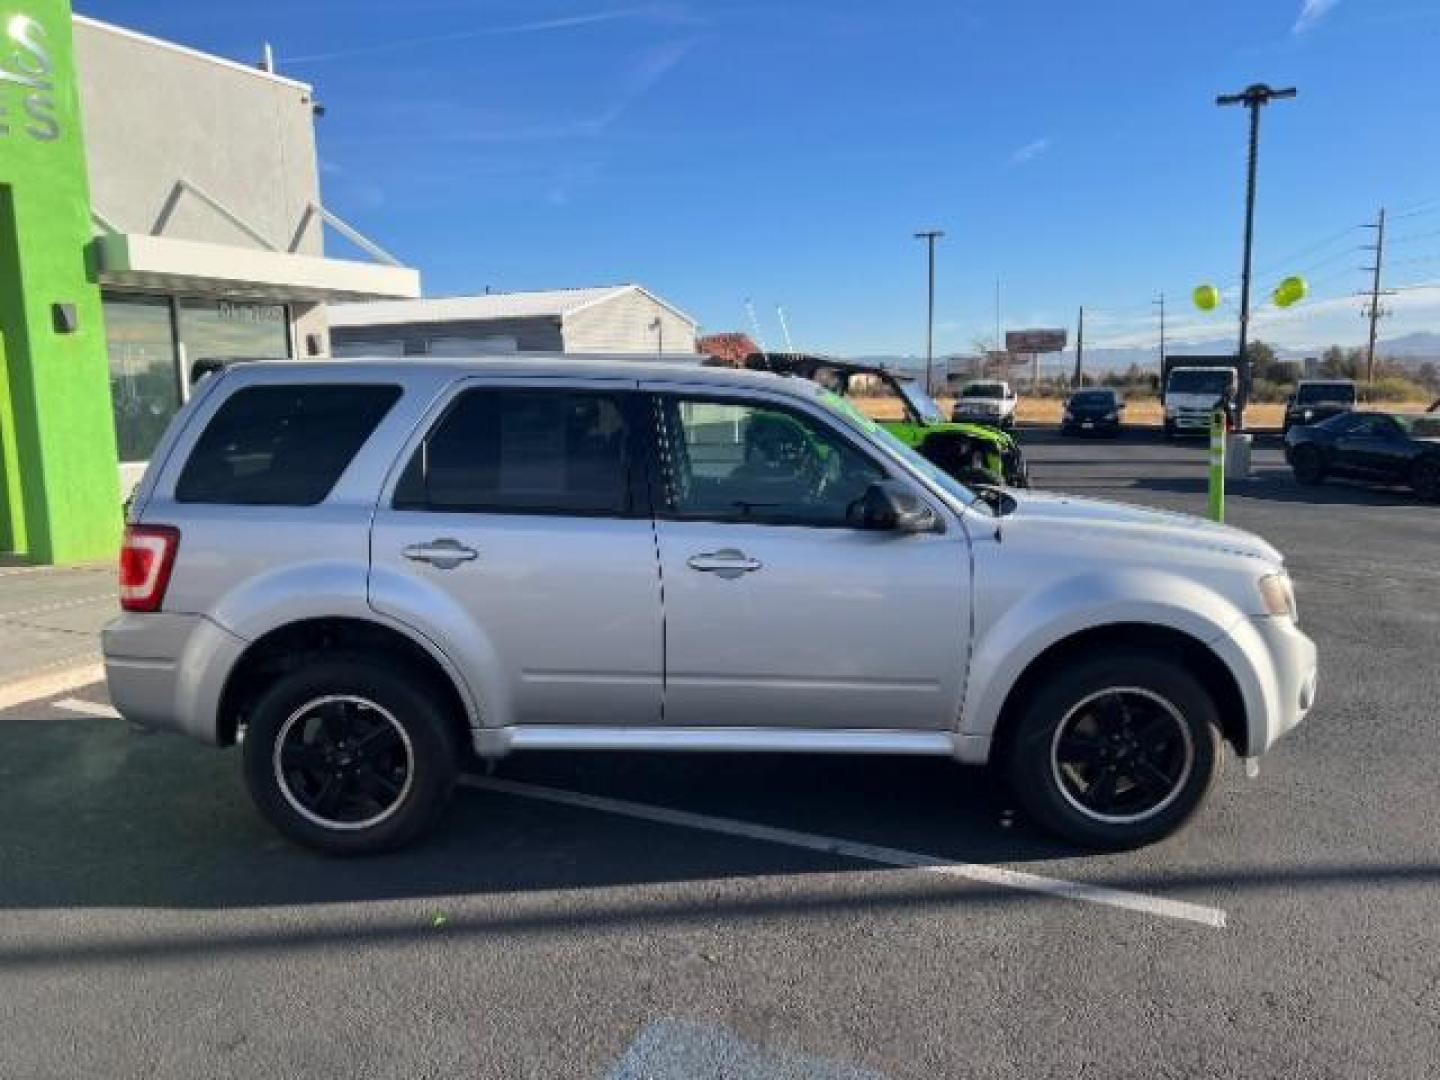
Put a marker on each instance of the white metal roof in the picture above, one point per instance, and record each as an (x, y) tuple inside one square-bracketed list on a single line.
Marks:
[(552, 303)]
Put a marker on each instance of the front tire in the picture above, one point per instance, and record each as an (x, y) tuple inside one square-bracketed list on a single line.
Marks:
[(1425, 479), (1116, 752), (1308, 464), (350, 756)]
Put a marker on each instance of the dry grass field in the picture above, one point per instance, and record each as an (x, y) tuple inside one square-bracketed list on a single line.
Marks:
[(1144, 412)]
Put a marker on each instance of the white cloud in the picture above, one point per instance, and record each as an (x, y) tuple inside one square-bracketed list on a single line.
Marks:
[(1311, 12), (1030, 151)]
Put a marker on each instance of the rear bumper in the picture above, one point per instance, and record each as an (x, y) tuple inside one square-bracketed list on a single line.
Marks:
[(1083, 424), (168, 671)]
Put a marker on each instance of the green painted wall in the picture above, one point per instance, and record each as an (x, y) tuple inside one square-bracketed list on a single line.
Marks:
[(59, 496)]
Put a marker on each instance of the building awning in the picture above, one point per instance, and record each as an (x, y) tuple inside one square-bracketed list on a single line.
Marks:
[(137, 260)]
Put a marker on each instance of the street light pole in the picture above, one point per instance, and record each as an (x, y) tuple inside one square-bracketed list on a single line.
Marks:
[(1254, 98), (930, 236)]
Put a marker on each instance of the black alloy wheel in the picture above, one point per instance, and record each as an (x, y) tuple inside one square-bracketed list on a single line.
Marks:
[(350, 755), (1122, 755), (343, 762)]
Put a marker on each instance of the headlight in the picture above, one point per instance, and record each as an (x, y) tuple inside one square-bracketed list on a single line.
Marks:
[(1069, 415), (1112, 416), (1278, 595), (1309, 414)]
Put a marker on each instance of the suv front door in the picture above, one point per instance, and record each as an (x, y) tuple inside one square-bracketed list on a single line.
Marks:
[(518, 535), (780, 611)]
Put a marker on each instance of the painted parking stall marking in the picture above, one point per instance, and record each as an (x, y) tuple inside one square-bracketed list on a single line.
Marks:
[(1159, 907), (86, 708)]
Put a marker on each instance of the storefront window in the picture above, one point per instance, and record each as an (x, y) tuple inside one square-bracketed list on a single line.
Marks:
[(226, 329), (144, 383)]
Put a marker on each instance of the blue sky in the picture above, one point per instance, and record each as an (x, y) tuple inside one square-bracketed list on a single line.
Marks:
[(786, 152)]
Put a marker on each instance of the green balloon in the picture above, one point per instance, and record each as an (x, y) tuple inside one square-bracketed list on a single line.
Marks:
[(1207, 297), (1290, 291)]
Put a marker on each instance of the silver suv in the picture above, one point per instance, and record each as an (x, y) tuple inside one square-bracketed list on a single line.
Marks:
[(367, 572)]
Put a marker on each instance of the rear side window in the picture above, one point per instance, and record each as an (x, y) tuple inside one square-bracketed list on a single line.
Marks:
[(524, 451), (282, 445)]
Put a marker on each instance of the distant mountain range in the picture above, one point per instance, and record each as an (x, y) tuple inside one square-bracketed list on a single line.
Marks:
[(1411, 350)]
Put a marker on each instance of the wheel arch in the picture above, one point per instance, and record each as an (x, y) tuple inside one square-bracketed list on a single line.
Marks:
[(286, 647), (1214, 673)]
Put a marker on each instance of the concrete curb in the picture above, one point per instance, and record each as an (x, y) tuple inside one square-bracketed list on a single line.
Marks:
[(50, 683)]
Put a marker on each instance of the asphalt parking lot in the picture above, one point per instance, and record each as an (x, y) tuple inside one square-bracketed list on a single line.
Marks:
[(622, 916)]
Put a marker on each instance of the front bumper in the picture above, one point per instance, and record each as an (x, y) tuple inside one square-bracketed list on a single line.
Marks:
[(168, 671), (1275, 664)]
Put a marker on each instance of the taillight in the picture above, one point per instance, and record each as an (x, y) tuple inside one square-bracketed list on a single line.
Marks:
[(147, 556)]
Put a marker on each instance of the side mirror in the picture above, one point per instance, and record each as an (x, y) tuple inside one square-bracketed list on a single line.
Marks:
[(894, 506)]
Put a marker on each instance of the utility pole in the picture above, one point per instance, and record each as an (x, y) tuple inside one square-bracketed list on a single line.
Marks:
[(930, 236), (1079, 349), (1160, 301), (785, 327), (1254, 98), (1374, 310)]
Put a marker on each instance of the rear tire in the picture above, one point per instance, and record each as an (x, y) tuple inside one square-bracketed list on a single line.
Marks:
[(349, 755), (1308, 464), (1117, 751), (1425, 479)]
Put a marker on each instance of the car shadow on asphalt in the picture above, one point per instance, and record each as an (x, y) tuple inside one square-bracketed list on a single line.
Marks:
[(97, 816)]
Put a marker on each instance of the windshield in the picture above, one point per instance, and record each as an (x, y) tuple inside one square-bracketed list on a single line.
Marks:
[(984, 390), (898, 449), (1310, 393), (1101, 398), (1213, 381), (926, 406), (1425, 426)]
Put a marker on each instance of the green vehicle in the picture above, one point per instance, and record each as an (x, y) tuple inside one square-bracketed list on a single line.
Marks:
[(972, 453)]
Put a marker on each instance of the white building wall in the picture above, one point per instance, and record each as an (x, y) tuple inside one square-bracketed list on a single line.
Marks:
[(622, 324)]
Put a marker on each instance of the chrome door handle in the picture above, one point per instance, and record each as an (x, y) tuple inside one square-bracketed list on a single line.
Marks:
[(444, 554), (727, 563)]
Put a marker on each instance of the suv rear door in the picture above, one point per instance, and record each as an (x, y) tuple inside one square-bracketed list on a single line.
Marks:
[(517, 534)]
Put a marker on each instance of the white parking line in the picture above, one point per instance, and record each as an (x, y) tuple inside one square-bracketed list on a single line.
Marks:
[(86, 708), (979, 872)]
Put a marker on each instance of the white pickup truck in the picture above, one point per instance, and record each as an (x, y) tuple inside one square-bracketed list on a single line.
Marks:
[(987, 401), (1190, 397)]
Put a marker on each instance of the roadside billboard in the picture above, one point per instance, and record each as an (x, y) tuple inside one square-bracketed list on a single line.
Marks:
[(1035, 341)]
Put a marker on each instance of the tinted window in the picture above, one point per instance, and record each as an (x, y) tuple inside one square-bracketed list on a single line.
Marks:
[(1371, 424), (1313, 392), (724, 461), (1215, 381), (282, 445), (983, 390), (523, 451), (1098, 398)]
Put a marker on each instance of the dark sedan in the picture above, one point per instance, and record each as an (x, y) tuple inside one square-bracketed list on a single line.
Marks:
[(1393, 448), (1096, 411)]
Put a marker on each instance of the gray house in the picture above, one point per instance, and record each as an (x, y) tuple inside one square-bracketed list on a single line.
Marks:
[(607, 319)]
